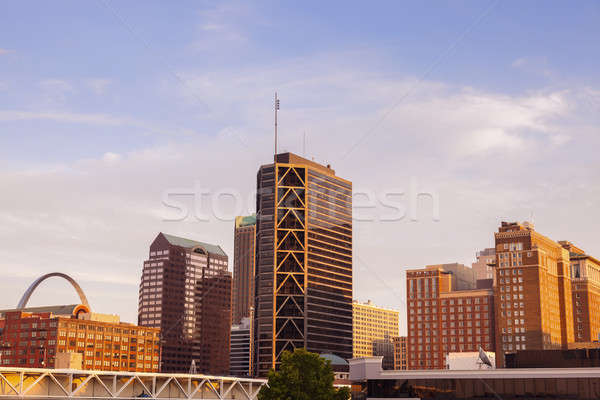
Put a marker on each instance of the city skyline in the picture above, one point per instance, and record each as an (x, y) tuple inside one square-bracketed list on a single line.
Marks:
[(93, 146)]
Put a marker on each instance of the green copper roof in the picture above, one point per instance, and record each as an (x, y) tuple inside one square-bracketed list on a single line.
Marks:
[(187, 243), (245, 220), (335, 360)]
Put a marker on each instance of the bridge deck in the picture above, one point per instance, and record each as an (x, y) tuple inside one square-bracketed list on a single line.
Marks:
[(19, 383)]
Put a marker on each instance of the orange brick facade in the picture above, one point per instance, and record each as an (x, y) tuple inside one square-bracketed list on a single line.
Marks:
[(534, 309), (400, 352), (446, 314), (585, 275), (33, 340)]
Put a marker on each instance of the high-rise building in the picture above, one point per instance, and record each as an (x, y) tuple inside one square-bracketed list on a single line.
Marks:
[(400, 352), (42, 337), (585, 276), (243, 266), (534, 309), (213, 322), (484, 266), (240, 355), (370, 324), (185, 291), (447, 312), (303, 260)]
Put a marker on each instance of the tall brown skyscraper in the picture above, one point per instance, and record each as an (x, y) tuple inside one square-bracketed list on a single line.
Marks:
[(243, 267), (186, 292), (534, 309), (303, 259)]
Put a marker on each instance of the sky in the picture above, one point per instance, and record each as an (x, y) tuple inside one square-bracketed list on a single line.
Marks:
[(113, 112)]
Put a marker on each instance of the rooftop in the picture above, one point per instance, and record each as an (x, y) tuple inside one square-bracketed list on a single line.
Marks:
[(245, 220), (66, 309), (335, 360), (188, 243)]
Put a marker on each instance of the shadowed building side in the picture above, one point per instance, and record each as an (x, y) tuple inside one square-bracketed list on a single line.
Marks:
[(304, 261), (243, 267)]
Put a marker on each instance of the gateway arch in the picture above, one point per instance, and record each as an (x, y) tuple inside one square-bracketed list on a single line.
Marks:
[(36, 283)]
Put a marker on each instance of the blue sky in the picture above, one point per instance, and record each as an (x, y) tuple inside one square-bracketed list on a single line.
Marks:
[(104, 105)]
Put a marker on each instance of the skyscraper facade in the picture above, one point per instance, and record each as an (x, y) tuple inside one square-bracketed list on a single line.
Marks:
[(370, 324), (446, 313), (243, 266), (303, 260), (534, 309), (185, 291)]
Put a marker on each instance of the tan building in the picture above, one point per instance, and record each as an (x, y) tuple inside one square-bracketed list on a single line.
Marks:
[(483, 268), (400, 352), (534, 309), (447, 313), (370, 324), (585, 276)]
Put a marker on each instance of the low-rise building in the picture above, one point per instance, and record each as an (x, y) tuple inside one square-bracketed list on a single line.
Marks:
[(49, 337)]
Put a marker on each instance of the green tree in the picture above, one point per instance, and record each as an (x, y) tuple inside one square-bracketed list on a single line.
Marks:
[(302, 376)]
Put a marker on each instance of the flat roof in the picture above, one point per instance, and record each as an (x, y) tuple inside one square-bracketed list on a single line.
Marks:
[(369, 368)]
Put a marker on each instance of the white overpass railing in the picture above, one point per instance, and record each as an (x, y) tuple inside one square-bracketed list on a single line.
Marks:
[(20, 383)]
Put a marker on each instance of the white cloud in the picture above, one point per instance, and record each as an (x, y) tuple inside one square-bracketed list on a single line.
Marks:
[(482, 141), (222, 25), (94, 119), (98, 85), (67, 117), (55, 92), (5, 51), (489, 155), (111, 158), (535, 65)]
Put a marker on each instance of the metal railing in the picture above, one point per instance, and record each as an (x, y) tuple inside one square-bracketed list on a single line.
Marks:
[(19, 383)]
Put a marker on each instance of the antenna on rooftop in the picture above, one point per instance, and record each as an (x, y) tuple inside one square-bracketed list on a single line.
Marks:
[(276, 109), (531, 218), (304, 145)]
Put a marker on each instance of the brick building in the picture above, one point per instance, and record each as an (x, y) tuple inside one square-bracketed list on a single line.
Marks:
[(447, 313), (534, 309), (400, 352), (585, 277), (185, 290), (37, 337)]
